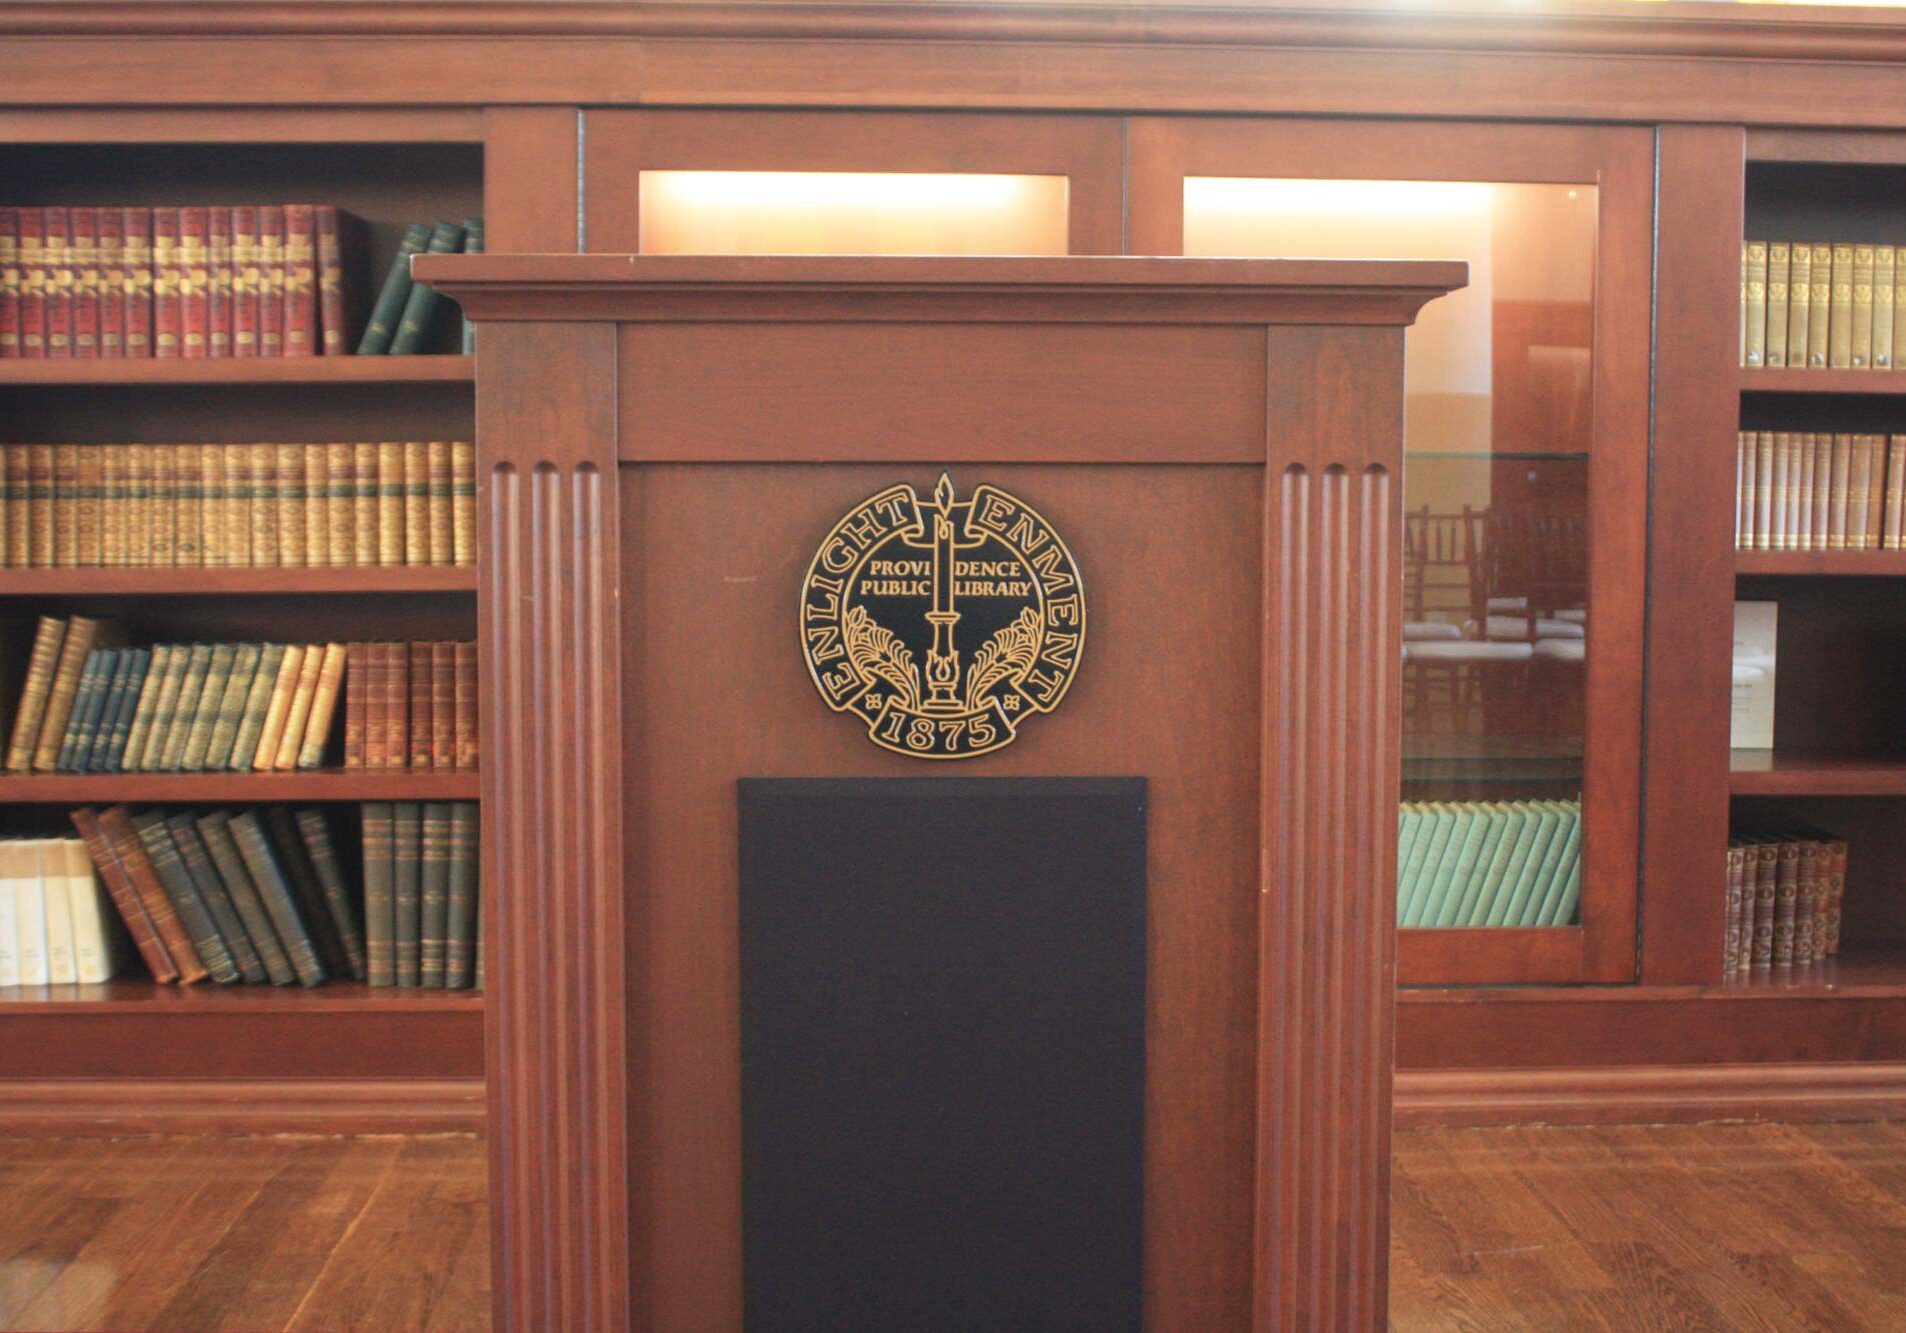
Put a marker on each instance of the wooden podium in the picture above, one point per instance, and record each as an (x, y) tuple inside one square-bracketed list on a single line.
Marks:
[(663, 443)]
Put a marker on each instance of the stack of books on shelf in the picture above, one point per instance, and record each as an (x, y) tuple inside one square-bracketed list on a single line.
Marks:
[(55, 925), (1821, 306), (1800, 491), (90, 705), (1785, 891), (420, 894), (405, 315), (237, 505), (199, 281), (1489, 863)]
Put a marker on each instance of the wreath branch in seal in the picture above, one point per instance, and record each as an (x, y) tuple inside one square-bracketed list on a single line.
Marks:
[(1006, 654), (875, 651)]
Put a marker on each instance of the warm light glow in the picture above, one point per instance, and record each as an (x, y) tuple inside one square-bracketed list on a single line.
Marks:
[(1336, 198), (851, 212)]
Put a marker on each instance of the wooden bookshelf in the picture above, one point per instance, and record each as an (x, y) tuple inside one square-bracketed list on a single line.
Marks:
[(248, 370), (264, 581), (1836, 564), (127, 995), (1788, 773), (1785, 379), (313, 785)]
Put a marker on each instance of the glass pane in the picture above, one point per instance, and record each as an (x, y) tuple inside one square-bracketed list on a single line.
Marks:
[(850, 213), (1495, 498)]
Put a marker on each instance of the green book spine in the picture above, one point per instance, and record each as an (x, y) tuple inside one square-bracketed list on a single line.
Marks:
[(422, 303), (407, 889), (380, 923), (1430, 830), (231, 706), (460, 922), (90, 753), (1529, 829), (1470, 871), (1442, 833), (121, 731), (1461, 844), (257, 703), (139, 734), (248, 831), (198, 739), (1547, 822), (205, 877), (99, 663), (434, 925), (1407, 822), (216, 832), (337, 899), (472, 245), (396, 290), (179, 724), (282, 830), (1568, 850), (1571, 900), (197, 919), (1475, 911)]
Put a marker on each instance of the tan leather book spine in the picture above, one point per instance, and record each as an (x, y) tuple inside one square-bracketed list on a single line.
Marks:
[(298, 716), (125, 897), (1840, 309), (163, 508), (1777, 315), (1840, 492), (40, 504), (317, 500), (82, 636), (19, 513), (340, 488), (205, 714), (1836, 894), (235, 512), (251, 719), (138, 506), (1803, 492), (1883, 275), (1799, 303), (116, 824), (212, 551), (1753, 303), (463, 502), (165, 708), (1820, 306), (416, 503), (376, 705), (89, 471), (324, 706), (420, 697), (291, 506), (1807, 902), (1822, 489), (390, 504), (1895, 535), (188, 534), (231, 706), (465, 666), (1766, 892), (443, 705), (1858, 492), (1764, 490), (1730, 940), (1786, 902), (1783, 488), (140, 728), (185, 709), (396, 705), (442, 520), (112, 506), (1743, 489), (272, 734), (48, 636), (1876, 492), (264, 503), (356, 692), (366, 529), (65, 506), (1899, 312), (1860, 350)]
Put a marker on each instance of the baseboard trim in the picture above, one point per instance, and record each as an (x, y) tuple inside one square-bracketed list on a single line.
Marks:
[(240, 1106), (1640, 1094)]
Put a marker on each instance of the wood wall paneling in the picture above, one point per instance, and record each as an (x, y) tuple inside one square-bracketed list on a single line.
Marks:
[(532, 176)]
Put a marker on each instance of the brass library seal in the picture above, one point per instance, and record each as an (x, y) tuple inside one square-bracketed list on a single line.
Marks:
[(942, 624)]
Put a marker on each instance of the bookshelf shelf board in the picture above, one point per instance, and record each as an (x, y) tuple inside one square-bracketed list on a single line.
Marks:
[(1875, 564), (1866, 972), (155, 788), (264, 581), (249, 370), (1787, 773), (1786, 380), (146, 996)]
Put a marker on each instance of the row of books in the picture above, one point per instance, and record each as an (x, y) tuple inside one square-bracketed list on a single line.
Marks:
[(89, 705), (402, 319), (1489, 863), (261, 896), (1785, 891), (1801, 491), (191, 505), (1832, 306), (55, 925), (175, 282)]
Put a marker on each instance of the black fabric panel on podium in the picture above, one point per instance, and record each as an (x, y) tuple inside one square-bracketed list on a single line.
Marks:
[(943, 1053)]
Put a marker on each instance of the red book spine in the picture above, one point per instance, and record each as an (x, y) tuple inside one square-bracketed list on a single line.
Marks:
[(59, 283), (32, 283), (194, 284), (111, 248), (271, 281), (244, 282), (419, 738), (301, 281), (331, 281), (168, 330), (218, 291), (136, 224), (356, 699), (84, 250), (9, 283)]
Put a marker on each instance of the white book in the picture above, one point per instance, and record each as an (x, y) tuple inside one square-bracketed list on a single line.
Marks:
[(29, 908), (93, 940), (9, 931), (59, 913), (1755, 632)]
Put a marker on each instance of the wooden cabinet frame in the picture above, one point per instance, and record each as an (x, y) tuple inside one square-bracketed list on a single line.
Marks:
[(1620, 162)]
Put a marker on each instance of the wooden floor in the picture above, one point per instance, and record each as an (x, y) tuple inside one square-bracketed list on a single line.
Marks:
[(1718, 1227)]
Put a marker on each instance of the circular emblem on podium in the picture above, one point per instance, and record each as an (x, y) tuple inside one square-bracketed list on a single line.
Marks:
[(943, 624)]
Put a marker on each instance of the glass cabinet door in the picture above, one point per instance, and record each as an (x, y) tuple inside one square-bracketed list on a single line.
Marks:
[(1523, 497)]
